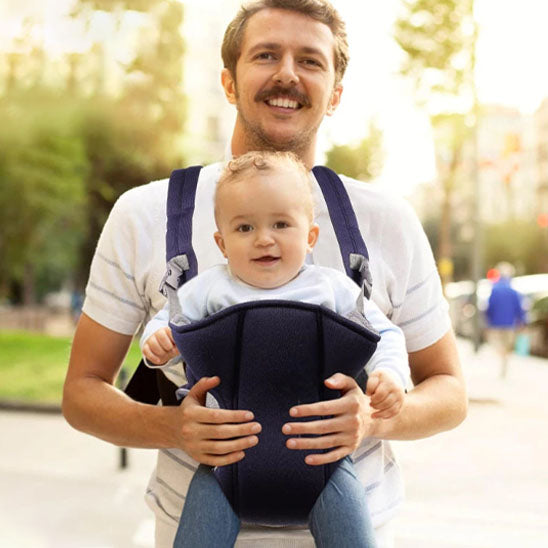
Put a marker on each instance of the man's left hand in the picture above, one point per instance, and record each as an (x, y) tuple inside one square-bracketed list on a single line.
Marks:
[(348, 424)]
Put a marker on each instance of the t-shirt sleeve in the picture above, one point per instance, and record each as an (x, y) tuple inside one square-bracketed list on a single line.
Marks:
[(418, 304), (115, 293)]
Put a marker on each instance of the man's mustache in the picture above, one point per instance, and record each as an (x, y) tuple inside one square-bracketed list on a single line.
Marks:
[(278, 91)]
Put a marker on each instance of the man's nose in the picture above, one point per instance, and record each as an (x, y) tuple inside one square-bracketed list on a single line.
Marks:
[(285, 74)]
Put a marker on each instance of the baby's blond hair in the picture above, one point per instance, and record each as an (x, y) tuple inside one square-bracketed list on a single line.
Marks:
[(260, 161)]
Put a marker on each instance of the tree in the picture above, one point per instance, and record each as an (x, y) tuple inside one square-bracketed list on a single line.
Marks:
[(42, 198), (64, 163), (362, 161), (438, 38)]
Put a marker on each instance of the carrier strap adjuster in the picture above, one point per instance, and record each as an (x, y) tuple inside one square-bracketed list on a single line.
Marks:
[(362, 273), (175, 269)]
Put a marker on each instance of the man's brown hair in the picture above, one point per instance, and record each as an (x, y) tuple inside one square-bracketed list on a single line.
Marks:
[(320, 10)]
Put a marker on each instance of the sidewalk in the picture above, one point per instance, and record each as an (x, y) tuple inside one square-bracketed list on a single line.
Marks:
[(484, 484)]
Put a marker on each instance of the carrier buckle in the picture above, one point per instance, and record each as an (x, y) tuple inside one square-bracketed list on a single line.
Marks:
[(175, 269), (362, 274)]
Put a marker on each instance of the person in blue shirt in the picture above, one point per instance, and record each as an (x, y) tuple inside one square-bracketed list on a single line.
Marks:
[(505, 314)]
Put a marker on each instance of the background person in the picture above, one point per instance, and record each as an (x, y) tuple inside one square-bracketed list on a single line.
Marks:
[(505, 314)]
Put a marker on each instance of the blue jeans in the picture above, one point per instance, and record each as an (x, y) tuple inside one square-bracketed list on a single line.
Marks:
[(339, 518)]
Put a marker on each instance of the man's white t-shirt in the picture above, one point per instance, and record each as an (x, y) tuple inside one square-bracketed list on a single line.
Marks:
[(129, 263)]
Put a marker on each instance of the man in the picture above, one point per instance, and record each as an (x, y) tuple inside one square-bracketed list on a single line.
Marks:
[(284, 62)]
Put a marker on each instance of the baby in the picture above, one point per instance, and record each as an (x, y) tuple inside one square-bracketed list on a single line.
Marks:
[(265, 219)]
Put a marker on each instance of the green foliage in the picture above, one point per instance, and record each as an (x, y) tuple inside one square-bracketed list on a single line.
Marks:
[(522, 243), (42, 196), (68, 151), (33, 366), (438, 37), (363, 161)]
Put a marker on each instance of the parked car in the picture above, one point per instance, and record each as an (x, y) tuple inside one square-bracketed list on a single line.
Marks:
[(534, 290)]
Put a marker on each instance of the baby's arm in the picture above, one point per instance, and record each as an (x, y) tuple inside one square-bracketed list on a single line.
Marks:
[(388, 369), (157, 344)]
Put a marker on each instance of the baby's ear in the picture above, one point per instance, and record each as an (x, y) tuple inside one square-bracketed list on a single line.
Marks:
[(313, 234), (220, 242)]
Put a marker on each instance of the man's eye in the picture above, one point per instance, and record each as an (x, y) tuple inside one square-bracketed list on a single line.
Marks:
[(281, 224), (312, 62), (244, 228), (265, 55)]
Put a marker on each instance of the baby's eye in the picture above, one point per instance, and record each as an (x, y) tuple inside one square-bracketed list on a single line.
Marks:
[(244, 228), (281, 224)]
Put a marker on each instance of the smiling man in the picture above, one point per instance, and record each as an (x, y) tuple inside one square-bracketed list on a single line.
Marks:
[(284, 62), (282, 84)]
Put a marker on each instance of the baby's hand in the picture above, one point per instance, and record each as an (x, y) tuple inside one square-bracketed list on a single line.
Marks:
[(160, 347), (385, 393)]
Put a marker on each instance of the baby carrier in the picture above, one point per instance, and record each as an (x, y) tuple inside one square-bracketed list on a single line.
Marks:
[(270, 356)]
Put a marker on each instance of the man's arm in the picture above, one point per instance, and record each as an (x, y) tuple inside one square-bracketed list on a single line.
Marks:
[(438, 402), (92, 404)]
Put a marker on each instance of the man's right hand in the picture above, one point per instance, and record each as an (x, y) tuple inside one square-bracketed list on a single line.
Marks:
[(216, 437)]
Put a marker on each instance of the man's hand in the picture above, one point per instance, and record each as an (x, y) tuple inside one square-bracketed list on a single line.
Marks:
[(214, 436), (385, 393), (160, 347), (349, 423)]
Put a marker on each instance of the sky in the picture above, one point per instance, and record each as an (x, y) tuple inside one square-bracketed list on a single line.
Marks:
[(510, 71)]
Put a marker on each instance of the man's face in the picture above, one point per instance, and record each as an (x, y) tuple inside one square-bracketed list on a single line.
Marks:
[(285, 80), (265, 229)]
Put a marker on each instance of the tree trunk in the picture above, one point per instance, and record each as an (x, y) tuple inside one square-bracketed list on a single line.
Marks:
[(29, 292)]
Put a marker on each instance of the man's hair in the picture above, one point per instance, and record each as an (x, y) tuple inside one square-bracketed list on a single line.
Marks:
[(268, 161), (320, 10)]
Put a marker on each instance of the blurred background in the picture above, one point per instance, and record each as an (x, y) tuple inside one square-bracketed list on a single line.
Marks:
[(445, 103)]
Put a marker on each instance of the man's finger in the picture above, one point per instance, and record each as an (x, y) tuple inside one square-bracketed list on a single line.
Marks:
[(325, 458), (323, 426), (199, 391), (341, 382), (225, 447), (207, 415)]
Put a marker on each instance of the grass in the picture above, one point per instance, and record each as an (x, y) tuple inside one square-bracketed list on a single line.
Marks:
[(33, 366)]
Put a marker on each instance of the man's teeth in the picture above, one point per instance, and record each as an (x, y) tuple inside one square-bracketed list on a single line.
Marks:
[(281, 102)]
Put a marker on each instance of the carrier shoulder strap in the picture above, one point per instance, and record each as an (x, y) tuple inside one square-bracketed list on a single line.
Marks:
[(343, 218), (147, 385)]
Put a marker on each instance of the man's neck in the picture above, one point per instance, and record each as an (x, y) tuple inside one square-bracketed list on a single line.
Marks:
[(239, 146)]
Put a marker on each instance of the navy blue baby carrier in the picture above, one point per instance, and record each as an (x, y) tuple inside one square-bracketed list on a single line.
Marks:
[(270, 356)]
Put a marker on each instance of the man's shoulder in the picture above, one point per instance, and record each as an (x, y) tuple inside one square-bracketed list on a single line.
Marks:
[(147, 196), (371, 196)]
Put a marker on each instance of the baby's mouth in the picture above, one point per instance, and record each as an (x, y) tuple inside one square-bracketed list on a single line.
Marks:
[(266, 259)]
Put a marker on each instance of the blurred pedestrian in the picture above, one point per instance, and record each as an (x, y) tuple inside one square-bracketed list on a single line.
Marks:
[(505, 314)]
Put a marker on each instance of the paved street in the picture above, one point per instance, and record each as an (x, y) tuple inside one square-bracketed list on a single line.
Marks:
[(484, 484)]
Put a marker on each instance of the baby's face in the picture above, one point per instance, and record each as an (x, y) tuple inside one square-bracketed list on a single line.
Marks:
[(264, 227)]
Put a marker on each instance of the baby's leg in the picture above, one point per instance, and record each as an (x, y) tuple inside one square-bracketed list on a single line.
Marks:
[(208, 519), (340, 517)]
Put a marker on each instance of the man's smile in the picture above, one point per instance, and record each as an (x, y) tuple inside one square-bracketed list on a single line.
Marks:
[(283, 98)]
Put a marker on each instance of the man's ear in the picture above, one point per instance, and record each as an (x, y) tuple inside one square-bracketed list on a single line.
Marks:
[(335, 99), (313, 234), (220, 242), (229, 85)]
